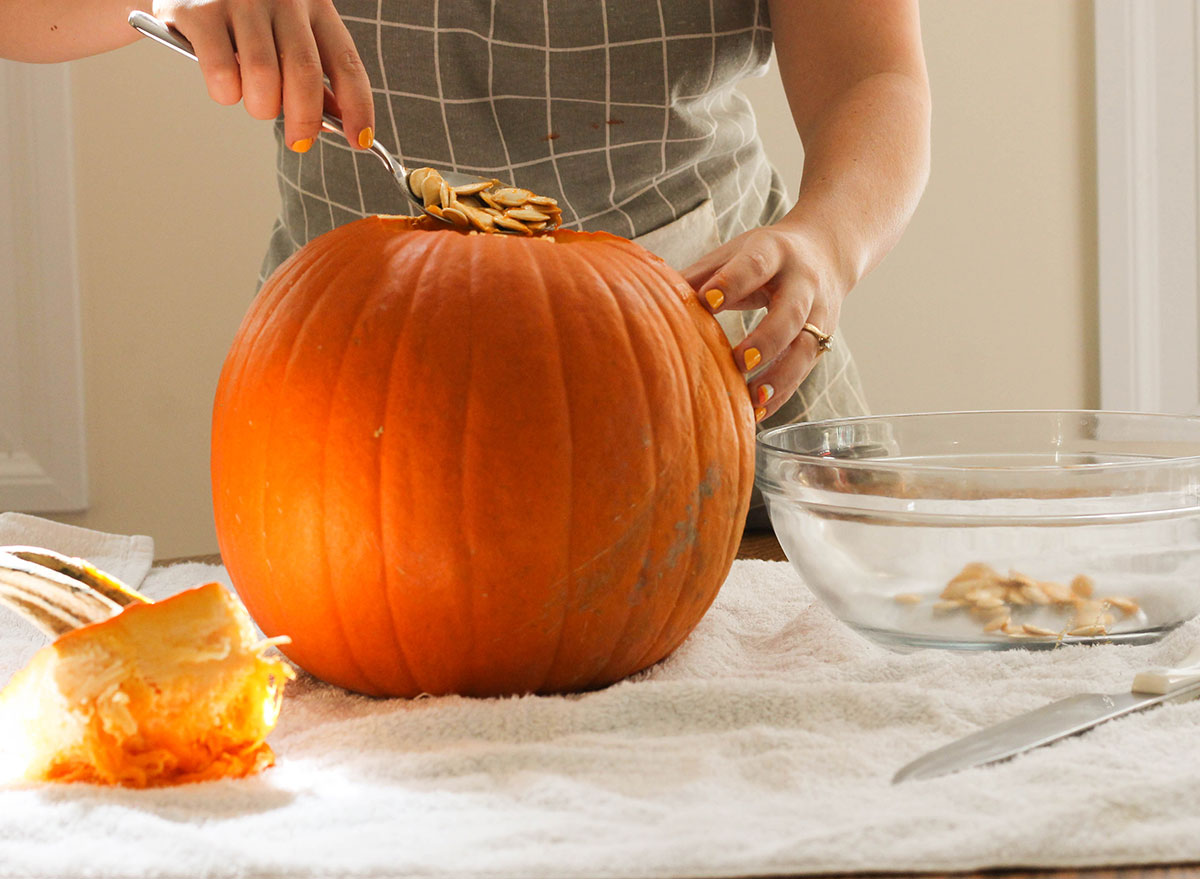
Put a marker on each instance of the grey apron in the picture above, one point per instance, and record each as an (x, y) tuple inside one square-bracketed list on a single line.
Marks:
[(626, 111)]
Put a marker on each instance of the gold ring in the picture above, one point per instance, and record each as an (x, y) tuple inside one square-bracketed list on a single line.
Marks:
[(824, 340)]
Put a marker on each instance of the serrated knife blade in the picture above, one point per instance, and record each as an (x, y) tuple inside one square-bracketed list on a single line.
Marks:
[(1058, 720)]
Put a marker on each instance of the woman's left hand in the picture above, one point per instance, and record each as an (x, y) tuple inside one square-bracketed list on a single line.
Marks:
[(789, 271), (854, 75)]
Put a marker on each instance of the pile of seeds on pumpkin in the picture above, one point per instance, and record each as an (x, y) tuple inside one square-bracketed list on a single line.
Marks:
[(486, 206), (992, 599)]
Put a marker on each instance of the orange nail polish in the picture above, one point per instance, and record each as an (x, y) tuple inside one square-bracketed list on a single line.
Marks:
[(714, 298), (751, 357), (302, 146), (760, 413), (765, 392), (366, 137)]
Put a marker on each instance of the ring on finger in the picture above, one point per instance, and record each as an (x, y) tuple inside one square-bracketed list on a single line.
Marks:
[(824, 340)]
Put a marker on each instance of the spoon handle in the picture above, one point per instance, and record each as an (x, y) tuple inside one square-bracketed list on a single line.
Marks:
[(161, 33)]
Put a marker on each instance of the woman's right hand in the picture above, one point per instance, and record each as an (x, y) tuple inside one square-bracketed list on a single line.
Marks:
[(272, 54)]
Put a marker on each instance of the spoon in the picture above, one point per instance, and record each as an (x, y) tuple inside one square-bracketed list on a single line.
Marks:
[(162, 33)]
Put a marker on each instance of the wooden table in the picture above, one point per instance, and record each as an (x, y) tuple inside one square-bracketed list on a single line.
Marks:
[(763, 545)]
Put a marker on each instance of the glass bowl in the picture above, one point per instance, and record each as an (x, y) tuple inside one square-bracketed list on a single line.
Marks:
[(992, 530)]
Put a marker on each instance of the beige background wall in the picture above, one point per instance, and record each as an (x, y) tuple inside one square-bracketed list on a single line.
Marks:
[(989, 301)]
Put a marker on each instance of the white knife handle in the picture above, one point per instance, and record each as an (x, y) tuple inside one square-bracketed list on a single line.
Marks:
[(1160, 681)]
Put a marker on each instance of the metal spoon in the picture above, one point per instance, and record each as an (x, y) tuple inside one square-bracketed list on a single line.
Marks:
[(162, 33)]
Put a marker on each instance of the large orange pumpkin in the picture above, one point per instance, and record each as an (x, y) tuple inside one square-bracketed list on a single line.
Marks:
[(478, 464)]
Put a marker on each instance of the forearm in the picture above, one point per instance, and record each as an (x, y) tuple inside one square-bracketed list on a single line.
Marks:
[(62, 30), (866, 161)]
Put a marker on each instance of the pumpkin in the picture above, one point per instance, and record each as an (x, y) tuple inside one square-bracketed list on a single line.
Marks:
[(450, 462), (158, 693)]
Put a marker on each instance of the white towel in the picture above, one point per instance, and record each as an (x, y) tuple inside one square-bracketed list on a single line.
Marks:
[(126, 557), (764, 746)]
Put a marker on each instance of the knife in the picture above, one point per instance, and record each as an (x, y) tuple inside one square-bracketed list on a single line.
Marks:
[(1067, 717)]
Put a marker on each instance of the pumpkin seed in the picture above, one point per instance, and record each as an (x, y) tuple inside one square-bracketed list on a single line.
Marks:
[(1082, 585), (1057, 593), (1016, 578), (509, 223), (1126, 606), (1031, 629), (1035, 594), (417, 179), (474, 188), (1088, 613), (997, 623), (974, 571), (989, 590), (988, 597), (962, 587), (511, 197), (480, 219), (527, 215), (431, 188), (988, 602), (479, 206), (456, 216)]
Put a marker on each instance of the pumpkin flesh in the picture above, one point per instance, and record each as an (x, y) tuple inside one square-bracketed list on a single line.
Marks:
[(163, 693)]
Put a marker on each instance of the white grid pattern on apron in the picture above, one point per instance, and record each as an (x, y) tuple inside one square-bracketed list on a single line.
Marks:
[(693, 136), (623, 110)]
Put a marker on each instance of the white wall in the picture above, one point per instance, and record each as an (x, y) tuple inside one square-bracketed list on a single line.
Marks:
[(988, 302), (176, 199)]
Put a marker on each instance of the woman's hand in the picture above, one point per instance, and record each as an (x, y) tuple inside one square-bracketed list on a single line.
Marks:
[(270, 54), (854, 74), (789, 271)]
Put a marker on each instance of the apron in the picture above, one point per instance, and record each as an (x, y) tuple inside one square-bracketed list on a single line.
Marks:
[(625, 111)]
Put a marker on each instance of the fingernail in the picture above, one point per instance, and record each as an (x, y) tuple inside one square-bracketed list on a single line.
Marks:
[(765, 392), (751, 357), (302, 146), (760, 413), (366, 137), (714, 298)]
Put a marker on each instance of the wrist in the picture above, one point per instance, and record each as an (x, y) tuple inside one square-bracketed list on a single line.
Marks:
[(824, 247)]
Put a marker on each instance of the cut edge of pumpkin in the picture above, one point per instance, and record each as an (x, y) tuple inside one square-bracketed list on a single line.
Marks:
[(157, 693)]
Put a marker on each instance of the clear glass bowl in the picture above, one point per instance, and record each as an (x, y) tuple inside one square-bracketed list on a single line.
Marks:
[(892, 519)]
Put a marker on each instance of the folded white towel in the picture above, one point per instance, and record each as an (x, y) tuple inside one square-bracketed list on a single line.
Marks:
[(764, 746), (126, 557)]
